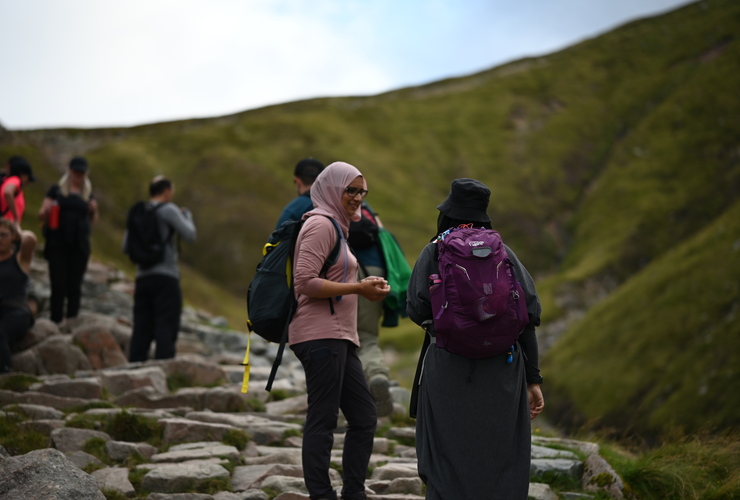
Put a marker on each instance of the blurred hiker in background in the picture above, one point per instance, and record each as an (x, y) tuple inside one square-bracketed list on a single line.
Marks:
[(304, 175), (16, 252), (323, 334), (149, 241), (363, 239), (68, 212), (473, 413), (12, 199)]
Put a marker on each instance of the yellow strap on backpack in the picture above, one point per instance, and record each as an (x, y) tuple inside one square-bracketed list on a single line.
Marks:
[(245, 380)]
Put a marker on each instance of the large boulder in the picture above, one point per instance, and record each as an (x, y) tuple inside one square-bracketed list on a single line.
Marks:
[(45, 474), (43, 328), (99, 344), (55, 354)]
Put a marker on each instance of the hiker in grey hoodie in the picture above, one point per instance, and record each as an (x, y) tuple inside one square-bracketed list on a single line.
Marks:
[(158, 297)]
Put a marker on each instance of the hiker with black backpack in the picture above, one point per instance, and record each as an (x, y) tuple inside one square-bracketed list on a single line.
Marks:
[(304, 175), (477, 385), (149, 241), (323, 334), (68, 212)]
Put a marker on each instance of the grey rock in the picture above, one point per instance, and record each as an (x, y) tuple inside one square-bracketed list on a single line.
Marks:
[(121, 381), (224, 399), (545, 452), (178, 478), (263, 430), (120, 450), (244, 495), (40, 398), (212, 451), (390, 472), (245, 476), (45, 473), (281, 456), (37, 412), (82, 459), (114, 479), (99, 344), (598, 475), (43, 426), (42, 329), (539, 491), (404, 433), (181, 430), (199, 371), (564, 466), (83, 388), (412, 485), (582, 446), (179, 496), (70, 439), (293, 406), (283, 484), (53, 354)]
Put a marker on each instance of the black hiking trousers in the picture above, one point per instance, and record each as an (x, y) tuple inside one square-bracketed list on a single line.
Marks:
[(334, 380), (157, 308), (67, 266)]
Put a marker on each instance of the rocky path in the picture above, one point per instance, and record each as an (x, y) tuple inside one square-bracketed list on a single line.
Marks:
[(79, 422)]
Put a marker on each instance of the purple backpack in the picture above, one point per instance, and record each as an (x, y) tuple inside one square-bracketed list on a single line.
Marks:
[(478, 306)]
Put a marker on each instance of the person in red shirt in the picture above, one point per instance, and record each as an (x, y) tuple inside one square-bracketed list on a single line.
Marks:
[(12, 201)]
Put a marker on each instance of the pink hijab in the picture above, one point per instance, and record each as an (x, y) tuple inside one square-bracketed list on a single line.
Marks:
[(327, 190)]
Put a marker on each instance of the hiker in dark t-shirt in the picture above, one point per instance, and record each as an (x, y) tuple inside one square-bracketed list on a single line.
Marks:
[(68, 211), (16, 252)]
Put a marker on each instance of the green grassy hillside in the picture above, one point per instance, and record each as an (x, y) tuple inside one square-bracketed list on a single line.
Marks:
[(662, 351), (601, 158)]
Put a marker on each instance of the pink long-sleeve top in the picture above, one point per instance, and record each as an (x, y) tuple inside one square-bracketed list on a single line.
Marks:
[(313, 319)]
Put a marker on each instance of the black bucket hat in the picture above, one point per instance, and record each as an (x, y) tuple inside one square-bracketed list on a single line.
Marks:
[(468, 201)]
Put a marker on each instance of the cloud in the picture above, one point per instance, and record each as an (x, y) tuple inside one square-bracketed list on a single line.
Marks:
[(94, 63)]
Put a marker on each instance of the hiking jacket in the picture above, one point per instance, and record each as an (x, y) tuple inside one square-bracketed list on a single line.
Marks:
[(313, 319)]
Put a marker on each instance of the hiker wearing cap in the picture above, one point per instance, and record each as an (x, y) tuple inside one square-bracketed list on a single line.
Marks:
[(473, 430), (304, 175), (68, 212), (12, 200), (323, 334)]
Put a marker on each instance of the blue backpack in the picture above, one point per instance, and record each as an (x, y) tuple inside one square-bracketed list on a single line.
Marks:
[(271, 301)]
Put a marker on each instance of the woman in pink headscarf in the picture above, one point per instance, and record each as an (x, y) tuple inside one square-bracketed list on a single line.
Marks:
[(323, 334)]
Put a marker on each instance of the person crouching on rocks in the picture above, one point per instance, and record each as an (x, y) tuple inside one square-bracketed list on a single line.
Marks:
[(15, 265)]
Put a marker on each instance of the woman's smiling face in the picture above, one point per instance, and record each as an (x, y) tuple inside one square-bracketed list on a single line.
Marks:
[(352, 203)]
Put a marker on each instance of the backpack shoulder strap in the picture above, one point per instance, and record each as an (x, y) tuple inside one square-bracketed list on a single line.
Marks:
[(171, 229)]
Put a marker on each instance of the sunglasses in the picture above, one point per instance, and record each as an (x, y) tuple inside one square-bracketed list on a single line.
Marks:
[(353, 191)]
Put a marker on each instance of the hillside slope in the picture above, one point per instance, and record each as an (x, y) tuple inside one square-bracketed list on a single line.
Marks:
[(663, 349), (601, 158)]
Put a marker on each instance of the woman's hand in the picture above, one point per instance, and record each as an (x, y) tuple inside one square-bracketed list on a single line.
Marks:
[(536, 400), (374, 288)]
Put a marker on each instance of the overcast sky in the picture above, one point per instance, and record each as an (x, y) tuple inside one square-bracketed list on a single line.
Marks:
[(92, 63)]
